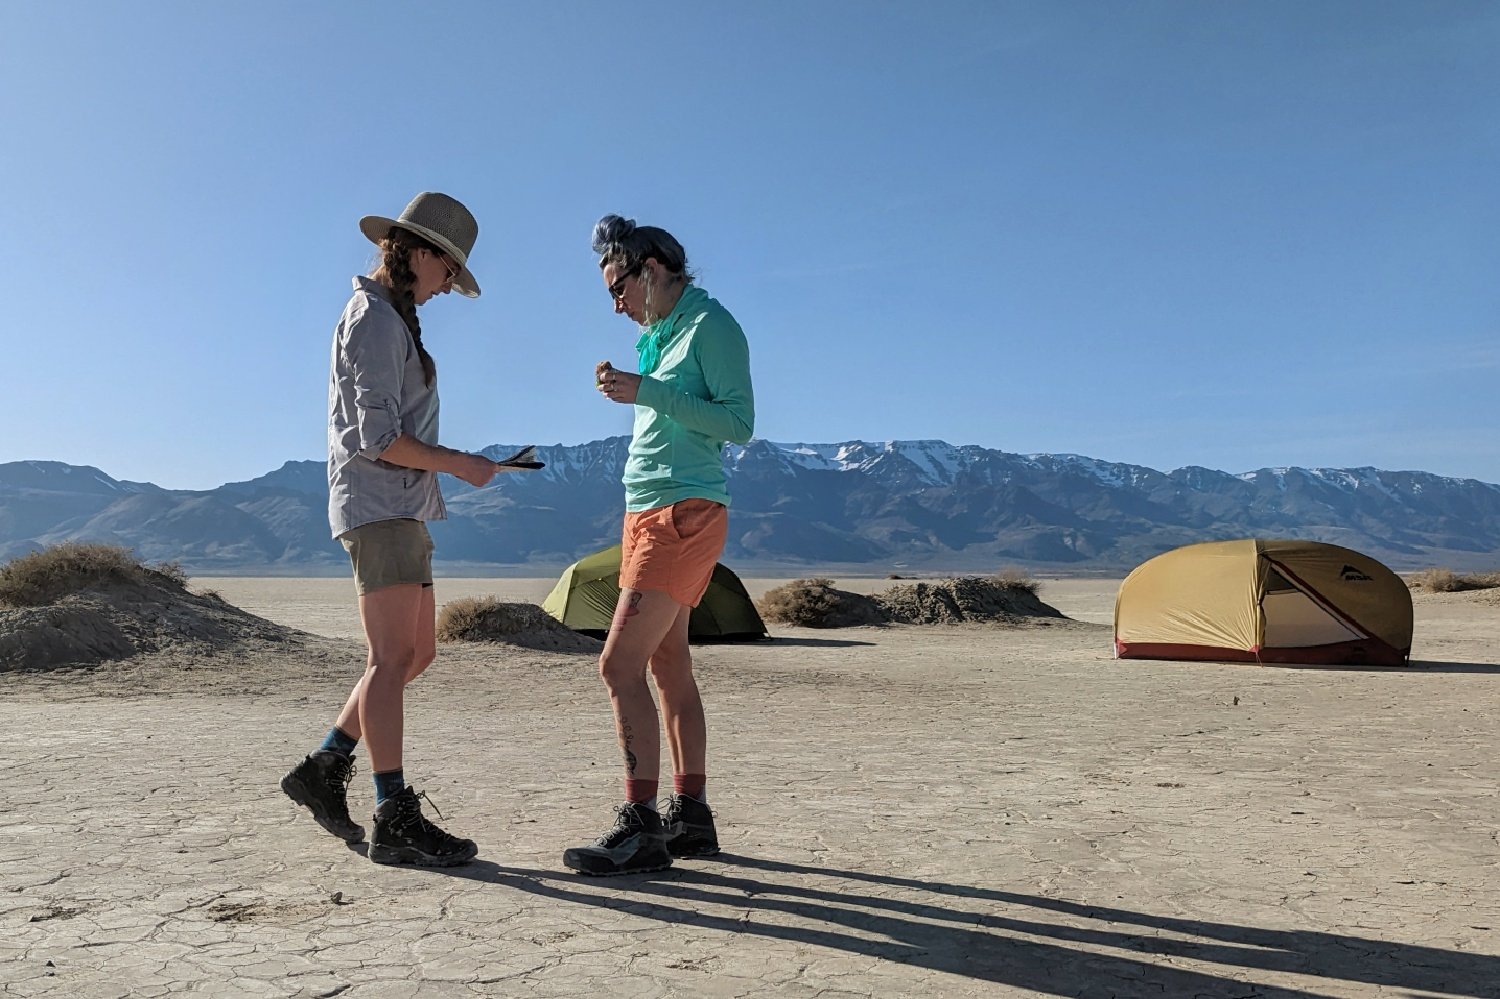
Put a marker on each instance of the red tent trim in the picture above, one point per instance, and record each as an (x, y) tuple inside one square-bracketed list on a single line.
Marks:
[(1363, 652)]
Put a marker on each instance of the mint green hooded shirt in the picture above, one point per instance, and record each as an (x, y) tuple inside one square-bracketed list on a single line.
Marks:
[(695, 398)]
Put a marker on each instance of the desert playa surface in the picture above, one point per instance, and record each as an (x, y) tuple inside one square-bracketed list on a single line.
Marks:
[(937, 811)]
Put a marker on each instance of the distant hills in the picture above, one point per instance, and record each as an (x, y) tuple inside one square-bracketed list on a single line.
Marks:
[(876, 507)]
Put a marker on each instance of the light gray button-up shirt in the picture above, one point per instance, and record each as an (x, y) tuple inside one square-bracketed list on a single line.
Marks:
[(376, 392)]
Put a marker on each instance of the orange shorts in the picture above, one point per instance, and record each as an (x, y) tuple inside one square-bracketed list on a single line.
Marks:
[(673, 549)]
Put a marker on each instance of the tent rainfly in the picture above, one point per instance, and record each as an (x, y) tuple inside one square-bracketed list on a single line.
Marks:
[(1264, 601), (585, 595)]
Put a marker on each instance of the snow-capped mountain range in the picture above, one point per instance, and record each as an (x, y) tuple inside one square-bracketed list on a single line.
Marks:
[(897, 505)]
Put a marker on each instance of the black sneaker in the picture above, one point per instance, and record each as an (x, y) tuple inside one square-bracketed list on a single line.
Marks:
[(690, 827), (635, 845), (321, 782), (403, 836)]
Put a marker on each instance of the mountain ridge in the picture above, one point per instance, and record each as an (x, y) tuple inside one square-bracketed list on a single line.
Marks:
[(910, 504)]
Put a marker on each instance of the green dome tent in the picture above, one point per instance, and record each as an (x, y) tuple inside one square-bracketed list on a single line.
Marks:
[(585, 595)]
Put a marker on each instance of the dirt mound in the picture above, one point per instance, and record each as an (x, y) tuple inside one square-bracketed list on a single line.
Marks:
[(815, 603), (964, 599), (487, 619), (87, 604)]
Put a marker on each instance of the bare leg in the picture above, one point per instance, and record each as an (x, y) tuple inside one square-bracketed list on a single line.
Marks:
[(642, 619), (681, 705), (426, 651), (390, 615)]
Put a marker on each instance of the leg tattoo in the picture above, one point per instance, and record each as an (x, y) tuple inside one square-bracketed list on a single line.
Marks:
[(631, 608), (627, 739)]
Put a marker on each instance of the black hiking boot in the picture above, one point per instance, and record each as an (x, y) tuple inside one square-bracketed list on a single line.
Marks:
[(320, 782), (690, 827), (635, 845), (403, 836)]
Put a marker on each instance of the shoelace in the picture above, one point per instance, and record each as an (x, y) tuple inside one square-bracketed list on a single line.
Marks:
[(343, 776), (435, 808), (442, 834), (624, 821)]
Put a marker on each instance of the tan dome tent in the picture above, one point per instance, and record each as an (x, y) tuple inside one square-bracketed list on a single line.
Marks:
[(1264, 601), (584, 600)]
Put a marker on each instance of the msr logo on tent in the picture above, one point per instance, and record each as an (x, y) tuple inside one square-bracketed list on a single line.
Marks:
[(1352, 575)]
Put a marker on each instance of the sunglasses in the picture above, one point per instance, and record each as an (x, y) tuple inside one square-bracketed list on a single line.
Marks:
[(453, 272), (618, 288)]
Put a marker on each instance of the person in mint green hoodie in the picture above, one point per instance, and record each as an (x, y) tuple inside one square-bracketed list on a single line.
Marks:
[(692, 395)]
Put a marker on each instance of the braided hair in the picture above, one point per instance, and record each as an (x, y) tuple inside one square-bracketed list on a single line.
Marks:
[(395, 269)]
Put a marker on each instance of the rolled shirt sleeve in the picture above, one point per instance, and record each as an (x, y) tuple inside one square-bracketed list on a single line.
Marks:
[(377, 391), (375, 355)]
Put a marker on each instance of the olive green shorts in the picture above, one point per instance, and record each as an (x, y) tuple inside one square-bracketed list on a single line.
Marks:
[(388, 553)]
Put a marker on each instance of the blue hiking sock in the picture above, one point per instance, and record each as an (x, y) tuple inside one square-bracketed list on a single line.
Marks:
[(338, 741), (389, 784)]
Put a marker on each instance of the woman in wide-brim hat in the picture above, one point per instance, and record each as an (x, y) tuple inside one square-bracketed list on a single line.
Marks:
[(383, 460)]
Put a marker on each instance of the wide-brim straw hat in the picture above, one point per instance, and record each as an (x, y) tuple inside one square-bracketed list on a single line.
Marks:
[(442, 221)]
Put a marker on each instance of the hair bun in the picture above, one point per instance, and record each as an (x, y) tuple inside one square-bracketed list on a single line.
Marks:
[(610, 230)]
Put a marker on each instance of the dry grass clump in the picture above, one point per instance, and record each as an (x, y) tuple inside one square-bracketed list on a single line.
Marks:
[(489, 619), (1447, 581), (815, 603), (1435, 580), (1016, 579), (46, 576), (965, 599)]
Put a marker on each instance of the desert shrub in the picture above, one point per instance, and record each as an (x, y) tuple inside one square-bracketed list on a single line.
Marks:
[(1447, 581), (815, 603), (478, 619), (1016, 579), (966, 598), (1435, 580), (489, 619), (173, 571), (52, 573)]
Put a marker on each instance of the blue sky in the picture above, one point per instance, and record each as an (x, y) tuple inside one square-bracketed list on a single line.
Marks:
[(1232, 234)]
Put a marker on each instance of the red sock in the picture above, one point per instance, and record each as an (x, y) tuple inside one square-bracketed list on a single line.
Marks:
[(689, 784), (640, 791)]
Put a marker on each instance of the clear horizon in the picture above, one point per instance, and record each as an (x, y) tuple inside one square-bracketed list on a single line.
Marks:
[(1235, 235)]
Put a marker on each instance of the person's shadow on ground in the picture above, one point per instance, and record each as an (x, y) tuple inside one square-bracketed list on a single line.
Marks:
[(990, 943)]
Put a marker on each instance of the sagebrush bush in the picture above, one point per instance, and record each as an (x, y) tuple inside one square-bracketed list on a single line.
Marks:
[(465, 619), (1016, 579), (802, 602), (1437, 580), (52, 573), (490, 619), (964, 598), (814, 603)]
